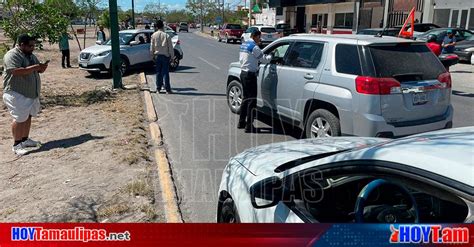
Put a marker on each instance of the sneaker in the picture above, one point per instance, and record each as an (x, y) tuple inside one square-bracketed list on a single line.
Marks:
[(29, 143), (19, 149)]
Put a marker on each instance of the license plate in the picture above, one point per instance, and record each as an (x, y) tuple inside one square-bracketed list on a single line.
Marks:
[(420, 98), (83, 65)]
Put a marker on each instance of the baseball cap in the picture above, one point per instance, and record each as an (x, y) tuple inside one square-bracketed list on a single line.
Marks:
[(450, 31)]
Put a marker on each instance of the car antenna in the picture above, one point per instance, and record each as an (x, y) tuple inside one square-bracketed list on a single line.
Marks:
[(380, 35)]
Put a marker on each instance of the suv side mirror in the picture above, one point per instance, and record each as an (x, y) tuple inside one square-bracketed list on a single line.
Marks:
[(99, 42), (266, 193)]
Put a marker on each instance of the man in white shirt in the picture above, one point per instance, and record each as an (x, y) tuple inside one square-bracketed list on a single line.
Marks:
[(161, 48)]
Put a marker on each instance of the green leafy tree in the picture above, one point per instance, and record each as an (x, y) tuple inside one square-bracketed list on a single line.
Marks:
[(155, 11), (40, 20)]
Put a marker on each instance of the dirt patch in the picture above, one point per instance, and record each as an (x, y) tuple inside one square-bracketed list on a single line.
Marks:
[(94, 164)]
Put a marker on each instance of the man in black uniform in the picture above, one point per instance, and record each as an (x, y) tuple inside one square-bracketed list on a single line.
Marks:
[(250, 55)]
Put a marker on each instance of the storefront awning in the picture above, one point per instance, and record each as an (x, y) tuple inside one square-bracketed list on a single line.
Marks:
[(289, 3)]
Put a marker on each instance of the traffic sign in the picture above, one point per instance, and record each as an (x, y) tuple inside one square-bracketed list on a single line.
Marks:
[(219, 19)]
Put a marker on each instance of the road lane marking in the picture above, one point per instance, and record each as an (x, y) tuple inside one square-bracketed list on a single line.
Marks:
[(210, 64)]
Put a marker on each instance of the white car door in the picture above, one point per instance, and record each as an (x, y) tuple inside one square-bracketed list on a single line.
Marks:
[(139, 50)]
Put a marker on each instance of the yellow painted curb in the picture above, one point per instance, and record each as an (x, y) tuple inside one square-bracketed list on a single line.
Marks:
[(167, 188), (155, 133), (150, 109), (168, 192)]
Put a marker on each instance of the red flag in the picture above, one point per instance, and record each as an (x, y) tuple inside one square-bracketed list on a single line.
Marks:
[(411, 18)]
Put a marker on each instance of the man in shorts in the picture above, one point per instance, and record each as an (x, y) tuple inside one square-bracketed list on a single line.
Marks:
[(21, 90)]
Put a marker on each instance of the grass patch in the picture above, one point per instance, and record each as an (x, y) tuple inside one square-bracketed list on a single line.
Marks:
[(111, 210), (84, 99), (149, 211), (139, 188)]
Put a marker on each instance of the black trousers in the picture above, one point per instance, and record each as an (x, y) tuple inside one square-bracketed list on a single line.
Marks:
[(66, 57), (249, 102)]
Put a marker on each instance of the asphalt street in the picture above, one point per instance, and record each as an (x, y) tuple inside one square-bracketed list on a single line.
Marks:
[(199, 130)]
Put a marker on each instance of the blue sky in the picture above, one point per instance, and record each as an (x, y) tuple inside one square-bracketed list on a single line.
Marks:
[(140, 4)]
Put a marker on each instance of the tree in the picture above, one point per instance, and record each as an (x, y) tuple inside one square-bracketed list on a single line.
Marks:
[(43, 21), (201, 8), (155, 10), (104, 19), (89, 10), (178, 16), (68, 9)]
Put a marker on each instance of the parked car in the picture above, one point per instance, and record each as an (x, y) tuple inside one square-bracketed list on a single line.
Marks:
[(460, 34), (424, 178), (134, 52), (380, 31), (183, 26), (269, 34), (230, 32), (173, 26), (465, 50), (285, 29), (332, 85), (420, 28)]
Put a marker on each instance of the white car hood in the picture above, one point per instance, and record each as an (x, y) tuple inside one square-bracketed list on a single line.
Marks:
[(262, 160), (97, 49)]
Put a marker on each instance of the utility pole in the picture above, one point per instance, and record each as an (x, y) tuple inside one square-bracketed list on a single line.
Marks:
[(133, 14), (114, 36), (202, 15), (223, 12), (250, 13)]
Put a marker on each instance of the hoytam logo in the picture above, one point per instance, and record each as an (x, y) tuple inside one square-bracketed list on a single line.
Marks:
[(435, 234), (75, 234)]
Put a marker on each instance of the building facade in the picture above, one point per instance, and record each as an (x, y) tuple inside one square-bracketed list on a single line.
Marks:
[(348, 16)]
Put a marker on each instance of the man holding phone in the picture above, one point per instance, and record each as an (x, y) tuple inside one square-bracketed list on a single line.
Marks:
[(22, 85)]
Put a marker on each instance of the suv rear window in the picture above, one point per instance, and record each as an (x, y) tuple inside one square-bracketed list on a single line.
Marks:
[(268, 30), (234, 26), (347, 59), (405, 62)]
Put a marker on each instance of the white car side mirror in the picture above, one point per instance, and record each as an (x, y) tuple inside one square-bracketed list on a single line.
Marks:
[(98, 42)]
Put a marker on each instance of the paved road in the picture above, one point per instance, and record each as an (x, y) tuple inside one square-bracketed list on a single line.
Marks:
[(200, 131), (198, 128)]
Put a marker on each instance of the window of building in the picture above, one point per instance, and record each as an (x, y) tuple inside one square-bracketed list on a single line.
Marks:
[(441, 17), (343, 20), (471, 20), (322, 18), (454, 18), (279, 11)]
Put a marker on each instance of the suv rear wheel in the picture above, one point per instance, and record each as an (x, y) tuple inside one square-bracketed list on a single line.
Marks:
[(322, 123), (235, 96)]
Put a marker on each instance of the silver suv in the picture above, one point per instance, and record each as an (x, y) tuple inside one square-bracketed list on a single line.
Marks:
[(332, 85)]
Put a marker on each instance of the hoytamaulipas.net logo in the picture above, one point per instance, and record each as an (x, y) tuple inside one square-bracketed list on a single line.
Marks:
[(433, 234), (74, 234)]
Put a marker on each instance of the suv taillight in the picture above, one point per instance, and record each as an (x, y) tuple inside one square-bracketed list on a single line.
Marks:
[(377, 86), (446, 79)]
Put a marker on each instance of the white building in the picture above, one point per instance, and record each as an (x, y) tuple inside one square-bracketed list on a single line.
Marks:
[(450, 13)]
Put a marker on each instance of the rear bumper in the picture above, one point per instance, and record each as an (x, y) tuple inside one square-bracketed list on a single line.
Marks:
[(375, 125), (464, 55)]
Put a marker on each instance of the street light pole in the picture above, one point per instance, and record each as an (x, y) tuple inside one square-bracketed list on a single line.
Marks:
[(133, 14), (114, 37)]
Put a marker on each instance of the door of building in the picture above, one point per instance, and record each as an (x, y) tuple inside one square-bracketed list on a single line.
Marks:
[(300, 19)]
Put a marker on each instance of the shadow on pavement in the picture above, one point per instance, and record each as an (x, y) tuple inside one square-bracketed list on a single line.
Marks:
[(463, 94), (66, 143), (278, 127)]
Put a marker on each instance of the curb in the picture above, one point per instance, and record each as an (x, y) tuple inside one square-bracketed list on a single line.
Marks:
[(168, 189), (205, 35)]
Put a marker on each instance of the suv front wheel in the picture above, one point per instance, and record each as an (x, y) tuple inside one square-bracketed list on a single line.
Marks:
[(322, 123)]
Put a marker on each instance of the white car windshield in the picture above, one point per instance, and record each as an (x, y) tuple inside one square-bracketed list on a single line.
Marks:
[(124, 39)]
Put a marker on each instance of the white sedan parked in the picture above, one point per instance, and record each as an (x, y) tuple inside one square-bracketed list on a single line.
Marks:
[(424, 178), (269, 34)]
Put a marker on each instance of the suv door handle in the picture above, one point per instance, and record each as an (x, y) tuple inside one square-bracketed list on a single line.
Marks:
[(309, 76)]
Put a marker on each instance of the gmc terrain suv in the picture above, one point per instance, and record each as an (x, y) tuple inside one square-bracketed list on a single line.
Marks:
[(332, 85)]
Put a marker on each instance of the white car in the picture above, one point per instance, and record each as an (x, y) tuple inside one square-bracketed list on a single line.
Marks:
[(418, 179), (269, 34), (134, 51)]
